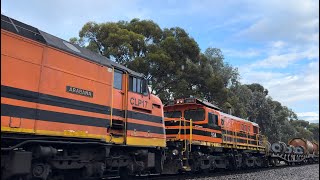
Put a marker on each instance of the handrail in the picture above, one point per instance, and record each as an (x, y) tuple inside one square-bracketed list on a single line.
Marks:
[(182, 136), (179, 132), (184, 126), (111, 107), (190, 136), (247, 138), (235, 138), (126, 107), (185, 136)]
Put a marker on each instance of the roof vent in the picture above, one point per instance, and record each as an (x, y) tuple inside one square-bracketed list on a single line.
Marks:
[(72, 47)]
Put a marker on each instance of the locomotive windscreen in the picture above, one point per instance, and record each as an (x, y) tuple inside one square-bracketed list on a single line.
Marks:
[(194, 114), (173, 114)]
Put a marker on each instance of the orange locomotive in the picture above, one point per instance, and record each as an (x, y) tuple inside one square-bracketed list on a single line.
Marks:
[(201, 137), (64, 107)]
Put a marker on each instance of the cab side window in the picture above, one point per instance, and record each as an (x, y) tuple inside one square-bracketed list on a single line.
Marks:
[(212, 119), (255, 130), (117, 80), (137, 85), (242, 128)]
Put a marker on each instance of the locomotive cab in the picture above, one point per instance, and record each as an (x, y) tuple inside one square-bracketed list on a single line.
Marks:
[(192, 109), (201, 120)]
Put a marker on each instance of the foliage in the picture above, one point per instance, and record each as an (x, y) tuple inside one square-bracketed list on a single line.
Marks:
[(167, 56)]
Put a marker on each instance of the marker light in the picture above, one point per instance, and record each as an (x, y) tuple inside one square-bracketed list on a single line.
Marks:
[(179, 101)]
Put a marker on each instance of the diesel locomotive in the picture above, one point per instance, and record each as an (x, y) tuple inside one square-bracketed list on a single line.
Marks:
[(69, 113), (66, 111)]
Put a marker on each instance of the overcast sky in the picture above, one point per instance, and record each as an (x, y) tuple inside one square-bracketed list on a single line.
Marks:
[(272, 42)]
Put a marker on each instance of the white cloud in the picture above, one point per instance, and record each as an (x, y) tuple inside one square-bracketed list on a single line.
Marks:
[(278, 44), (289, 87), (303, 114), (309, 116), (280, 55), (250, 76), (294, 21), (277, 61), (241, 53)]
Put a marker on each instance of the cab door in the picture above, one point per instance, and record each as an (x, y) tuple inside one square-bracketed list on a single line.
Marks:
[(142, 124), (117, 111), (215, 124)]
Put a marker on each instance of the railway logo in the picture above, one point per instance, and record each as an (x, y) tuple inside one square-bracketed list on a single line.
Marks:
[(79, 91)]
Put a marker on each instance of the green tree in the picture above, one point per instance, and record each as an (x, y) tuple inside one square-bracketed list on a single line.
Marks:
[(258, 87), (301, 123), (214, 79), (314, 128), (287, 132), (168, 57), (240, 97)]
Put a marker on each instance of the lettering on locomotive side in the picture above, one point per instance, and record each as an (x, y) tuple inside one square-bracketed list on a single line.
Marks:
[(138, 102), (79, 91)]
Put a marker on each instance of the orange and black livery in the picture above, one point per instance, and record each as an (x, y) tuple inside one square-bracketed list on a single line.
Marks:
[(205, 124), (200, 135), (59, 92)]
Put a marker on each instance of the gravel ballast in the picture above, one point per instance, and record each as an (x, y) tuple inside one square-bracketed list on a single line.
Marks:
[(305, 172)]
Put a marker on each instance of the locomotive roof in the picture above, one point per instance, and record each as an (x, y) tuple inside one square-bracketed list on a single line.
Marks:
[(33, 33), (237, 118), (224, 114), (208, 104)]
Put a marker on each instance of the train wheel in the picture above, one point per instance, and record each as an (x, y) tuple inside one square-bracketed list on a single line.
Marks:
[(40, 170), (274, 162), (258, 162)]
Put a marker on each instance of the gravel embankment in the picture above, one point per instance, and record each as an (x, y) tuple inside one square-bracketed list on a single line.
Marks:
[(306, 172)]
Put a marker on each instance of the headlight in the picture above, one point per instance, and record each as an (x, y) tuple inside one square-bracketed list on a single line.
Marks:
[(175, 152)]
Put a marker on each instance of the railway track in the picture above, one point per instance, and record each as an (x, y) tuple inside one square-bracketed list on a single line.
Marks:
[(215, 174)]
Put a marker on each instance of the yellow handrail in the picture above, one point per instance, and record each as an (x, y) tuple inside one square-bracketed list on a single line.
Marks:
[(190, 136), (111, 107), (126, 107), (185, 135), (236, 139), (179, 136)]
